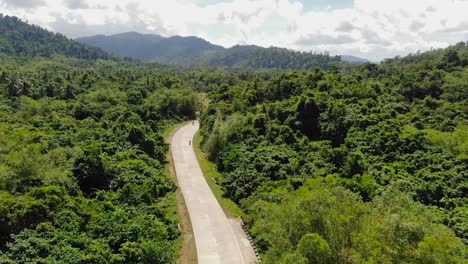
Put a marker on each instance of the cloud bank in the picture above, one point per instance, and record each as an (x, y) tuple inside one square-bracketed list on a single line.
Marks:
[(374, 29)]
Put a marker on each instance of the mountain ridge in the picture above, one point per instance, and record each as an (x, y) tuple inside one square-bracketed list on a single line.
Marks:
[(20, 38), (150, 47), (354, 59), (192, 50)]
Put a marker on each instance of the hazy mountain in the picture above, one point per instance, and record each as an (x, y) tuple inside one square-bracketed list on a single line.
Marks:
[(120, 44), (353, 59), (152, 47), (197, 51), (19, 38)]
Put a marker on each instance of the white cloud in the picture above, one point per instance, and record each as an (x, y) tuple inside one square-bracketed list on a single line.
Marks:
[(27, 4), (324, 39), (76, 4), (374, 29)]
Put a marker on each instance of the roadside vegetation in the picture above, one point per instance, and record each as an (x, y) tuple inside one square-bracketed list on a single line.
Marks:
[(213, 176), (362, 167)]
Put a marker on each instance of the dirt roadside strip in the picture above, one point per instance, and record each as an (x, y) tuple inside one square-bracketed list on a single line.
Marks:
[(218, 239)]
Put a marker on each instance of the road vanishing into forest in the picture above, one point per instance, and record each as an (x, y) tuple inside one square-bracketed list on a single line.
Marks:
[(218, 239)]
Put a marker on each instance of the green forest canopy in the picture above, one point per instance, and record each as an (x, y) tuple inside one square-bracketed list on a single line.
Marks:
[(368, 166), (82, 161), (365, 167)]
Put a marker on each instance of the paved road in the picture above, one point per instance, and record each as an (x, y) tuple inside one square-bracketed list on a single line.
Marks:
[(218, 239)]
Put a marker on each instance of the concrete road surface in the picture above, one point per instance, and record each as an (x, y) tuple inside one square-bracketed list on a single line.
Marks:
[(218, 239)]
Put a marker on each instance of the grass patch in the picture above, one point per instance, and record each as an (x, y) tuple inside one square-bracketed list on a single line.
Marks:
[(211, 174)]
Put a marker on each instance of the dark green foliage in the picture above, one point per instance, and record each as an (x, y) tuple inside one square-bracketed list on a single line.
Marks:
[(82, 159), (89, 170), (325, 223)]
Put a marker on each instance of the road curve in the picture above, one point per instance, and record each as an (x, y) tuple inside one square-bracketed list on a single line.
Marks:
[(218, 239)]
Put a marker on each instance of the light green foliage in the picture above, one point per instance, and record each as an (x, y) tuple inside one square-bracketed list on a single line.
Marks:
[(223, 131), (170, 103), (217, 139), (292, 258), (328, 224), (396, 218), (314, 248), (289, 217), (455, 142)]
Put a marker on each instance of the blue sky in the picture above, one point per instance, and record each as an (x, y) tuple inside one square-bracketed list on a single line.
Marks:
[(372, 29)]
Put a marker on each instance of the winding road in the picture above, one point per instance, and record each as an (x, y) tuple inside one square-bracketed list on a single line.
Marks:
[(218, 239)]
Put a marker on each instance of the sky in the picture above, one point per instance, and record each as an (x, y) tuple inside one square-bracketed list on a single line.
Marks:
[(372, 29)]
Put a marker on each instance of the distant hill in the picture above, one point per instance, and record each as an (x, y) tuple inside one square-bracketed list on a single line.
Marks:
[(119, 44), (19, 38), (454, 55), (229, 57), (152, 47), (197, 51), (353, 59), (272, 57)]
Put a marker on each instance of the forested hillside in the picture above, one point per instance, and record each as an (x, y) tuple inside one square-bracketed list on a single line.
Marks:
[(254, 57), (365, 167), (150, 47), (82, 159), (193, 51), (22, 39), (353, 59), (130, 44)]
